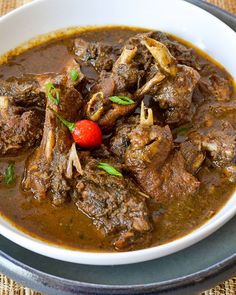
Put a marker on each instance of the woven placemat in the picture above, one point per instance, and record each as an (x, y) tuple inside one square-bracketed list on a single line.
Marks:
[(8, 286)]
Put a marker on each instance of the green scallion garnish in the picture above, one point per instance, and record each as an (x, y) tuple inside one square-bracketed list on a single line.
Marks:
[(53, 93), (74, 75), (109, 169), (9, 175), (123, 100)]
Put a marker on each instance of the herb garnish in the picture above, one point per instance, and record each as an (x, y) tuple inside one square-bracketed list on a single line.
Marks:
[(53, 93), (124, 100), (9, 174), (109, 169), (74, 75), (70, 125)]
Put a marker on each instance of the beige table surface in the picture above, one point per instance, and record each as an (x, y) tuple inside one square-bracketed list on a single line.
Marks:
[(8, 286)]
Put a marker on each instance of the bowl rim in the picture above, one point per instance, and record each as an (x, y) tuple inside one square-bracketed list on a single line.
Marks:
[(44, 247)]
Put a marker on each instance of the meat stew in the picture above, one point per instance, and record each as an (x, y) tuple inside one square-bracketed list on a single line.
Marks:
[(166, 164)]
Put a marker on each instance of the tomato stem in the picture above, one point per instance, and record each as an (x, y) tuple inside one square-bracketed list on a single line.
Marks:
[(69, 125)]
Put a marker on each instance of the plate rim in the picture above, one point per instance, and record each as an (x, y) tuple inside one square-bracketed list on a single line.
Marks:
[(52, 282)]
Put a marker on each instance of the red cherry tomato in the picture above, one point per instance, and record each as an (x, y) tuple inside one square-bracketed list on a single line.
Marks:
[(87, 134)]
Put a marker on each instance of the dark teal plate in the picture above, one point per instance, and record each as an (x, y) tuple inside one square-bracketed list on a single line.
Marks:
[(187, 272)]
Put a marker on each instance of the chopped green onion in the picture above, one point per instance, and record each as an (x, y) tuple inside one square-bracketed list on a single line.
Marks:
[(124, 100), (69, 125), (74, 75), (53, 93), (109, 169), (9, 174)]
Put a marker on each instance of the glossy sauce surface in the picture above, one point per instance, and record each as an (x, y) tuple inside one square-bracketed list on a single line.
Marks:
[(66, 225)]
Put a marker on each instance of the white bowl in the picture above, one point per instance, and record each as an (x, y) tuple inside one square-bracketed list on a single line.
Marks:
[(175, 16)]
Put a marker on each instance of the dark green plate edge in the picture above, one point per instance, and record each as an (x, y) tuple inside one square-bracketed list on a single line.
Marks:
[(191, 284)]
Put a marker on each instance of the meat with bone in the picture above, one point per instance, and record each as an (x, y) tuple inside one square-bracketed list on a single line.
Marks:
[(115, 204), (159, 169), (214, 83), (124, 75), (174, 94), (49, 167)]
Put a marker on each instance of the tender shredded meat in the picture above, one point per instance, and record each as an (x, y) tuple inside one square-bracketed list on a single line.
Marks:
[(114, 204)]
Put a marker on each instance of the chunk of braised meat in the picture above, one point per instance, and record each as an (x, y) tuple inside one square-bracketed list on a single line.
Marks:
[(50, 166), (125, 74), (218, 139), (192, 155), (25, 92), (173, 93), (113, 203), (211, 111), (120, 141), (19, 129), (147, 140), (215, 86), (214, 82), (173, 181), (163, 176), (143, 57), (100, 55), (149, 147), (126, 71), (160, 172), (182, 53)]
